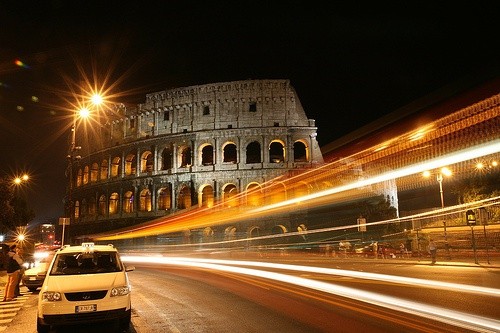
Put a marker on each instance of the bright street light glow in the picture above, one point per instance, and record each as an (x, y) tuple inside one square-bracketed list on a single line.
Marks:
[(96, 99), (445, 171), (84, 112)]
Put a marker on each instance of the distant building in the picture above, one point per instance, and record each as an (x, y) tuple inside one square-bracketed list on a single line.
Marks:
[(188, 147)]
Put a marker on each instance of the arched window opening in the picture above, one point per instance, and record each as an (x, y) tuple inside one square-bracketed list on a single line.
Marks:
[(77, 209), (113, 203), (102, 205), (86, 175), (253, 153), (300, 190), (147, 162), (207, 155), (207, 197), (145, 203), (130, 164), (208, 234), (254, 195), (164, 199), (299, 152), (128, 202), (254, 232), (166, 159), (184, 200), (230, 233), (94, 172), (84, 211), (278, 229), (230, 154), (185, 157), (104, 170), (230, 194), (79, 178), (276, 152), (92, 206), (116, 169), (277, 194)]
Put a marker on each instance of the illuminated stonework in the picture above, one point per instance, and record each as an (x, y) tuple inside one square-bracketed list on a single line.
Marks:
[(189, 147)]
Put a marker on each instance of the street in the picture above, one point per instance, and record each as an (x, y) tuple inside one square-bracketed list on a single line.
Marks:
[(178, 298)]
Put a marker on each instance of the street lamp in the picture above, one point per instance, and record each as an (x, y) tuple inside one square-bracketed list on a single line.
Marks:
[(72, 157), (439, 177)]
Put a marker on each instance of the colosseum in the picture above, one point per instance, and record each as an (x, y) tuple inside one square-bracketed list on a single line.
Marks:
[(188, 147)]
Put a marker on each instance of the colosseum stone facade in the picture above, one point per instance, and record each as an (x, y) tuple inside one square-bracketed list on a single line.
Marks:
[(188, 147)]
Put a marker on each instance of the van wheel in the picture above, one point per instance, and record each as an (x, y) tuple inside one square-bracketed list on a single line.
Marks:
[(42, 328), (124, 322)]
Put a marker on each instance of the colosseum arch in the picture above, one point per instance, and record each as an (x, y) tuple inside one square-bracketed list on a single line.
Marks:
[(84, 209), (114, 198), (77, 209), (230, 233), (184, 198), (254, 195), (299, 190), (208, 234), (206, 154), (79, 177), (104, 170), (116, 167), (253, 153), (253, 231), (128, 202), (279, 229), (166, 159), (300, 151), (145, 201), (276, 151), (147, 161), (229, 152), (130, 164), (86, 175), (102, 206), (206, 196), (277, 193), (185, 157), (164, 198), (92, 206), (94, 172), (230, 195)]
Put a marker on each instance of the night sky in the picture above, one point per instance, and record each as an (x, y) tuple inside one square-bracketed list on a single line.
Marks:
[(349, 61)]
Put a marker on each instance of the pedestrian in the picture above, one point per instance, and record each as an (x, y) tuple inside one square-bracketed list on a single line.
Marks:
[(17, 290), (432, 250), (375, 249), (402, 250), (13, 270)]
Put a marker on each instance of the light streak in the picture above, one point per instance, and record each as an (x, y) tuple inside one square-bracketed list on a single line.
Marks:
[(456, 318), (457, 157), (205, 217)]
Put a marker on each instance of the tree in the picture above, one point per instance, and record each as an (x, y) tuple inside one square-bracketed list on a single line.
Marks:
[(6, 208)]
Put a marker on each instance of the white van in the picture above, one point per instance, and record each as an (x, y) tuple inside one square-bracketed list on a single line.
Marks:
[(85, 284)]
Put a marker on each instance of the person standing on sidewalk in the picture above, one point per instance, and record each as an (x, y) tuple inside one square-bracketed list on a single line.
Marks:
[(13, 270), (432, 250)]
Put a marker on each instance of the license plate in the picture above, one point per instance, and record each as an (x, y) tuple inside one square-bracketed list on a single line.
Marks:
[(86, 308)]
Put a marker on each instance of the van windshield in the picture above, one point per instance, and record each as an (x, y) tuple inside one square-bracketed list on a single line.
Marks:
[(86, 263)]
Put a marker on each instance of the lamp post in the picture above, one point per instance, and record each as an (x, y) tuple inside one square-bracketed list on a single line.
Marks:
[(72, 158), (439, 177)]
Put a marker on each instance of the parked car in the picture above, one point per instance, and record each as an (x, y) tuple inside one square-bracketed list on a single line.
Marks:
[(33, 278), (85, 284)]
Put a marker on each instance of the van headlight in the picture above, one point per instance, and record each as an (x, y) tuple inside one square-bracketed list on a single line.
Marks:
[(120, 291), (51, 296)]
